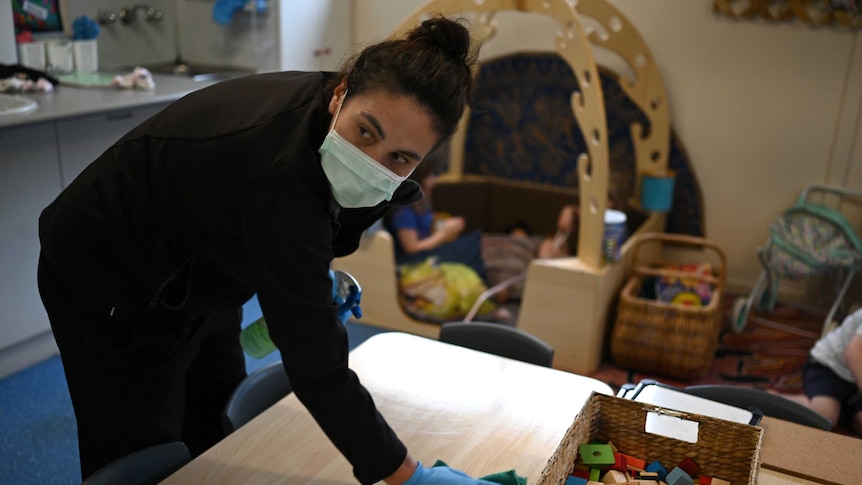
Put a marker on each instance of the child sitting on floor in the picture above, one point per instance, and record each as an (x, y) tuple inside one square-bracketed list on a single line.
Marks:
[(832, 376)]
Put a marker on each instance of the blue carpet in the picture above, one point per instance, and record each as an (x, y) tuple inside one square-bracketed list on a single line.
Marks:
[(38, 443)]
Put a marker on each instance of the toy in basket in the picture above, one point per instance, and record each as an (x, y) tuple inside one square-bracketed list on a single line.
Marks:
[(721, 448), (676, 337)]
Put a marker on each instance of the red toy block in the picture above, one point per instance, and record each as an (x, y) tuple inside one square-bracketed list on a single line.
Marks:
[(689, 466), (585, 474), (620, 463), (633, 462)]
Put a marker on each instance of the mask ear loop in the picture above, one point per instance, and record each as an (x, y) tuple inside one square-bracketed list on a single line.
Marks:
[(338, 110)]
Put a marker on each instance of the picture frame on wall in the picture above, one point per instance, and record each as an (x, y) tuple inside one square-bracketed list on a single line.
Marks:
[(47, 18)]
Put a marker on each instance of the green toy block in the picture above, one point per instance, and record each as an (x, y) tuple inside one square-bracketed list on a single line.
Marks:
[(597, 455)]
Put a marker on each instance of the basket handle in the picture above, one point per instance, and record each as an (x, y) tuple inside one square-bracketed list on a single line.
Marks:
[(685, 241)]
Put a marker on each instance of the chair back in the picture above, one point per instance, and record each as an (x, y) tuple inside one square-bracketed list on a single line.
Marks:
[(771, 405), (143, 467), (498, 339), (257, 392)]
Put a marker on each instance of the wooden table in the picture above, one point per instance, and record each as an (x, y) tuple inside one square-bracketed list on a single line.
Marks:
[(478, 412)]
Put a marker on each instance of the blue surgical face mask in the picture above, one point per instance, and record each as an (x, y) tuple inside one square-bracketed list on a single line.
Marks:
[(357, 180)]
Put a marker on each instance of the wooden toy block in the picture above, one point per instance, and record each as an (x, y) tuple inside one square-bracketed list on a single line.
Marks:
[(645, 475), (573, 480), (719, 481), (614, 477), (597, 455), (703, 480), (658, 468), (585, 473), (620, 463), (634, 462), (678, 476), (594, 475), (611, 444), (689, 466)]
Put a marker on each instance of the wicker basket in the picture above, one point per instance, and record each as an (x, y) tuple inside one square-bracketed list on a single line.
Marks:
[(667, 339), (724, 449)]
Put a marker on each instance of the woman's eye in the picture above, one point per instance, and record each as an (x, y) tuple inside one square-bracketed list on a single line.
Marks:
[(364, 133), (398, 158)]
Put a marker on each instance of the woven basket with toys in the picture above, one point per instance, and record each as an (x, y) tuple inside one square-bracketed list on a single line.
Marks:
[(615, 440), (669, 314)]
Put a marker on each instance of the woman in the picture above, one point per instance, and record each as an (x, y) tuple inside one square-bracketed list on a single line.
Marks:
[(249, 186)]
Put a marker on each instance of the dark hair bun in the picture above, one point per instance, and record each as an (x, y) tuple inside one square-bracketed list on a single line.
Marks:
[(450, 37)]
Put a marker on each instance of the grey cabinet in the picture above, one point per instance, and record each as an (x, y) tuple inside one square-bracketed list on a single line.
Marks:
[(29, 180), (82, 140), (36, 163)]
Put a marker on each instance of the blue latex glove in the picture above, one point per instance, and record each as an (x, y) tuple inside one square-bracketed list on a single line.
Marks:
[(442, 475), (348, 305), (223, 10)]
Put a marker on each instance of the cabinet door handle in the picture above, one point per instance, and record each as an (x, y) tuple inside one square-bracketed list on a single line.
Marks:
[(119, 116)]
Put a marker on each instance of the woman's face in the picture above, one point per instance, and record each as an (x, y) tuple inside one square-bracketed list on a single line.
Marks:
[(394, 130)]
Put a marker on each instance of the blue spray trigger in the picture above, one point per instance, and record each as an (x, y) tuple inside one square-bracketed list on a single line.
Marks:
[(346, 294)]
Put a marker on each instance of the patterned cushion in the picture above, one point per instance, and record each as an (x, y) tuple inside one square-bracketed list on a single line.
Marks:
[(522, 128)]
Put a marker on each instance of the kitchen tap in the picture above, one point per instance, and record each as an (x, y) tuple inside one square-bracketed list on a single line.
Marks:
[(129, 15), (105, 17)]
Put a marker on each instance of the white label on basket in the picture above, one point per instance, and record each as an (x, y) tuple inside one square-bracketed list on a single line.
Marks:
[(672, 427)]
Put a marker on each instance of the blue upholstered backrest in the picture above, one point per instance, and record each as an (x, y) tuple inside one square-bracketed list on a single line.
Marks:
[(522, 128)]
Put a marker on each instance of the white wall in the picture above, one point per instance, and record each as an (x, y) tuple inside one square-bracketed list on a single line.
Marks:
[(762, 108), (138, 43), (288, 34)]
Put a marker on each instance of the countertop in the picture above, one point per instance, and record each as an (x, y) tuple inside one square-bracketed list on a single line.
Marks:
[(69, 102)]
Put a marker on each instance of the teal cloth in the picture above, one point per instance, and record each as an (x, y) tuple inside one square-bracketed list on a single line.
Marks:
[(503, 478)]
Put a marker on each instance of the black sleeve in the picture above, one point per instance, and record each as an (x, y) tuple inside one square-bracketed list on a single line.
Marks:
[(287, 231)]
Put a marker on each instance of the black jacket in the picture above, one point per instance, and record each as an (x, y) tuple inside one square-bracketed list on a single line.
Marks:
[(219, 196)]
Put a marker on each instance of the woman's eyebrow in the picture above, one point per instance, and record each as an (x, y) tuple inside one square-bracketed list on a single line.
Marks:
[(376, 124), (371, 119)]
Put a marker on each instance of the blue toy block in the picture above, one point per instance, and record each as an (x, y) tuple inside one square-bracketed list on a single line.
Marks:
[(657, 467), (678, 476), (573, 480)]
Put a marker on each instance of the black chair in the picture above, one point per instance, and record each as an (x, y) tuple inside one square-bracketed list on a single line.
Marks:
[(257, 392), (498, 339), (143, 467), (769, 404)]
